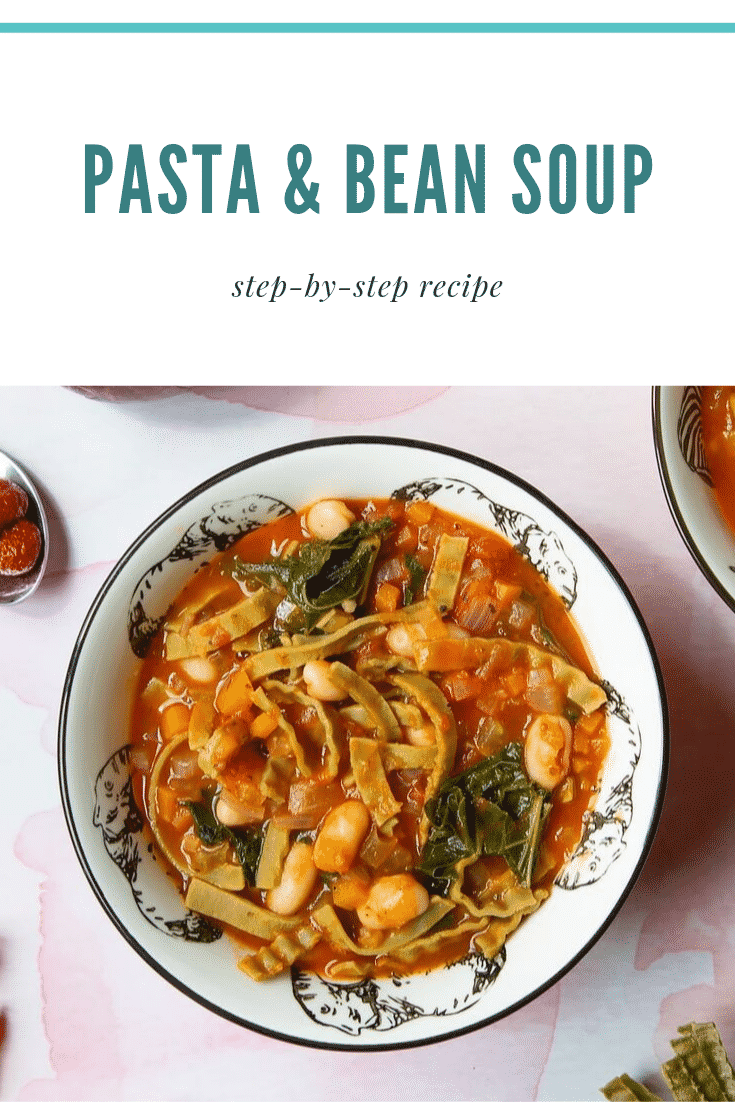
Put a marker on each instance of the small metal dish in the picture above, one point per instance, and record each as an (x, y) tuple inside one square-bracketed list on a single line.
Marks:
[(16, 588)]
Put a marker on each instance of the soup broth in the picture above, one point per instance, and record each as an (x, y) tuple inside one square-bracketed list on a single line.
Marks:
[(718, 438), (366, 739)]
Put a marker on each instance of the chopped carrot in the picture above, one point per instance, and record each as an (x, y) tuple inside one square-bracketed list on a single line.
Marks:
[(407, 538), (236, 694), (264, 724), (515, 682), (167, 803), (351, 890), (228, 743), (182, 818), (388, 597), (420, 512), (506, 593), (174, 721), (462, 685)]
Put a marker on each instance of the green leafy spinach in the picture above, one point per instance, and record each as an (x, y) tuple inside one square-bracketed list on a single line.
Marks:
[(321, 575), (491, 809), (247, 843)]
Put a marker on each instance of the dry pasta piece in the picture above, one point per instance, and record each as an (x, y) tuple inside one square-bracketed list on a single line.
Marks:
[(625, 1089), (710, 1052)]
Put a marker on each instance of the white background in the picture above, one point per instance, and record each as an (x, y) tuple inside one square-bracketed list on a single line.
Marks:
[(616, 297)]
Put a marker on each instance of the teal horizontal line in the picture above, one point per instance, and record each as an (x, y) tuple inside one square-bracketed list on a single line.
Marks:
[(367, 28)]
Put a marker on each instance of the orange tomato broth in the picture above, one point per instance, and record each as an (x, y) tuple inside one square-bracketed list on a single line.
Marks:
[(472, 695), (718, 438)]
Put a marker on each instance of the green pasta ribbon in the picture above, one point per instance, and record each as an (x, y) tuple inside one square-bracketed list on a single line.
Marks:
[(700, 1070)]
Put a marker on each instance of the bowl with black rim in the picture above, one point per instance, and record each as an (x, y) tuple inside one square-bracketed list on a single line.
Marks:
[(110, 836), (687, 484)]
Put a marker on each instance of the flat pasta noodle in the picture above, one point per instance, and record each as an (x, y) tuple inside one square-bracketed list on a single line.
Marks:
[(379, 712), (326, 646), (371, 781), (226, 627), (276, 844), (706, 1038), (434, 942), (237, 911), (431, 699), (326, 918), (407, 715), (509, 898), (288, 693), (226, 875), (447, 571), (283, 951), (624, 1089)]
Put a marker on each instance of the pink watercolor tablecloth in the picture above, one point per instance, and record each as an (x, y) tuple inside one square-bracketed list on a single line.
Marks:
[(86, 1017)]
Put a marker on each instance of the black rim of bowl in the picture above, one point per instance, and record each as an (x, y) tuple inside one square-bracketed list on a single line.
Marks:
[(674, 508), (94, 608)]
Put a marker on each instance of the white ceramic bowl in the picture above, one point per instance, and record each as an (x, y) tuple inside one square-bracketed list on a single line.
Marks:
[(677, 431), (106, 827)]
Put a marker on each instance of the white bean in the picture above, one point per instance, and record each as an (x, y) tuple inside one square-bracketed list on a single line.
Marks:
[(200, 670), (392, 902), (231, 813), (548, 750), (341, 835), (421, 736), (297, 881), (327, 519), (398, 640), (318, 682)]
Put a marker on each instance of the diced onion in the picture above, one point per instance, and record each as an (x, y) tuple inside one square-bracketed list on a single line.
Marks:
[(547, 699), (184, 764), (309, 803), (477, 615), (521, 614), (141, 757)]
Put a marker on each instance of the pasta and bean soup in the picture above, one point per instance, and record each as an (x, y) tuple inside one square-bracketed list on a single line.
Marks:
[(366, 740)]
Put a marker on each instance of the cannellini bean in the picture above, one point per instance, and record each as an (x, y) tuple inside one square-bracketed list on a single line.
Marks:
[(341, 835), (548, 750), (398, 641), (318, 682), (200, 670), (297, 881), (421, 736), (392, 902), (232, 813), (327, 519)]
